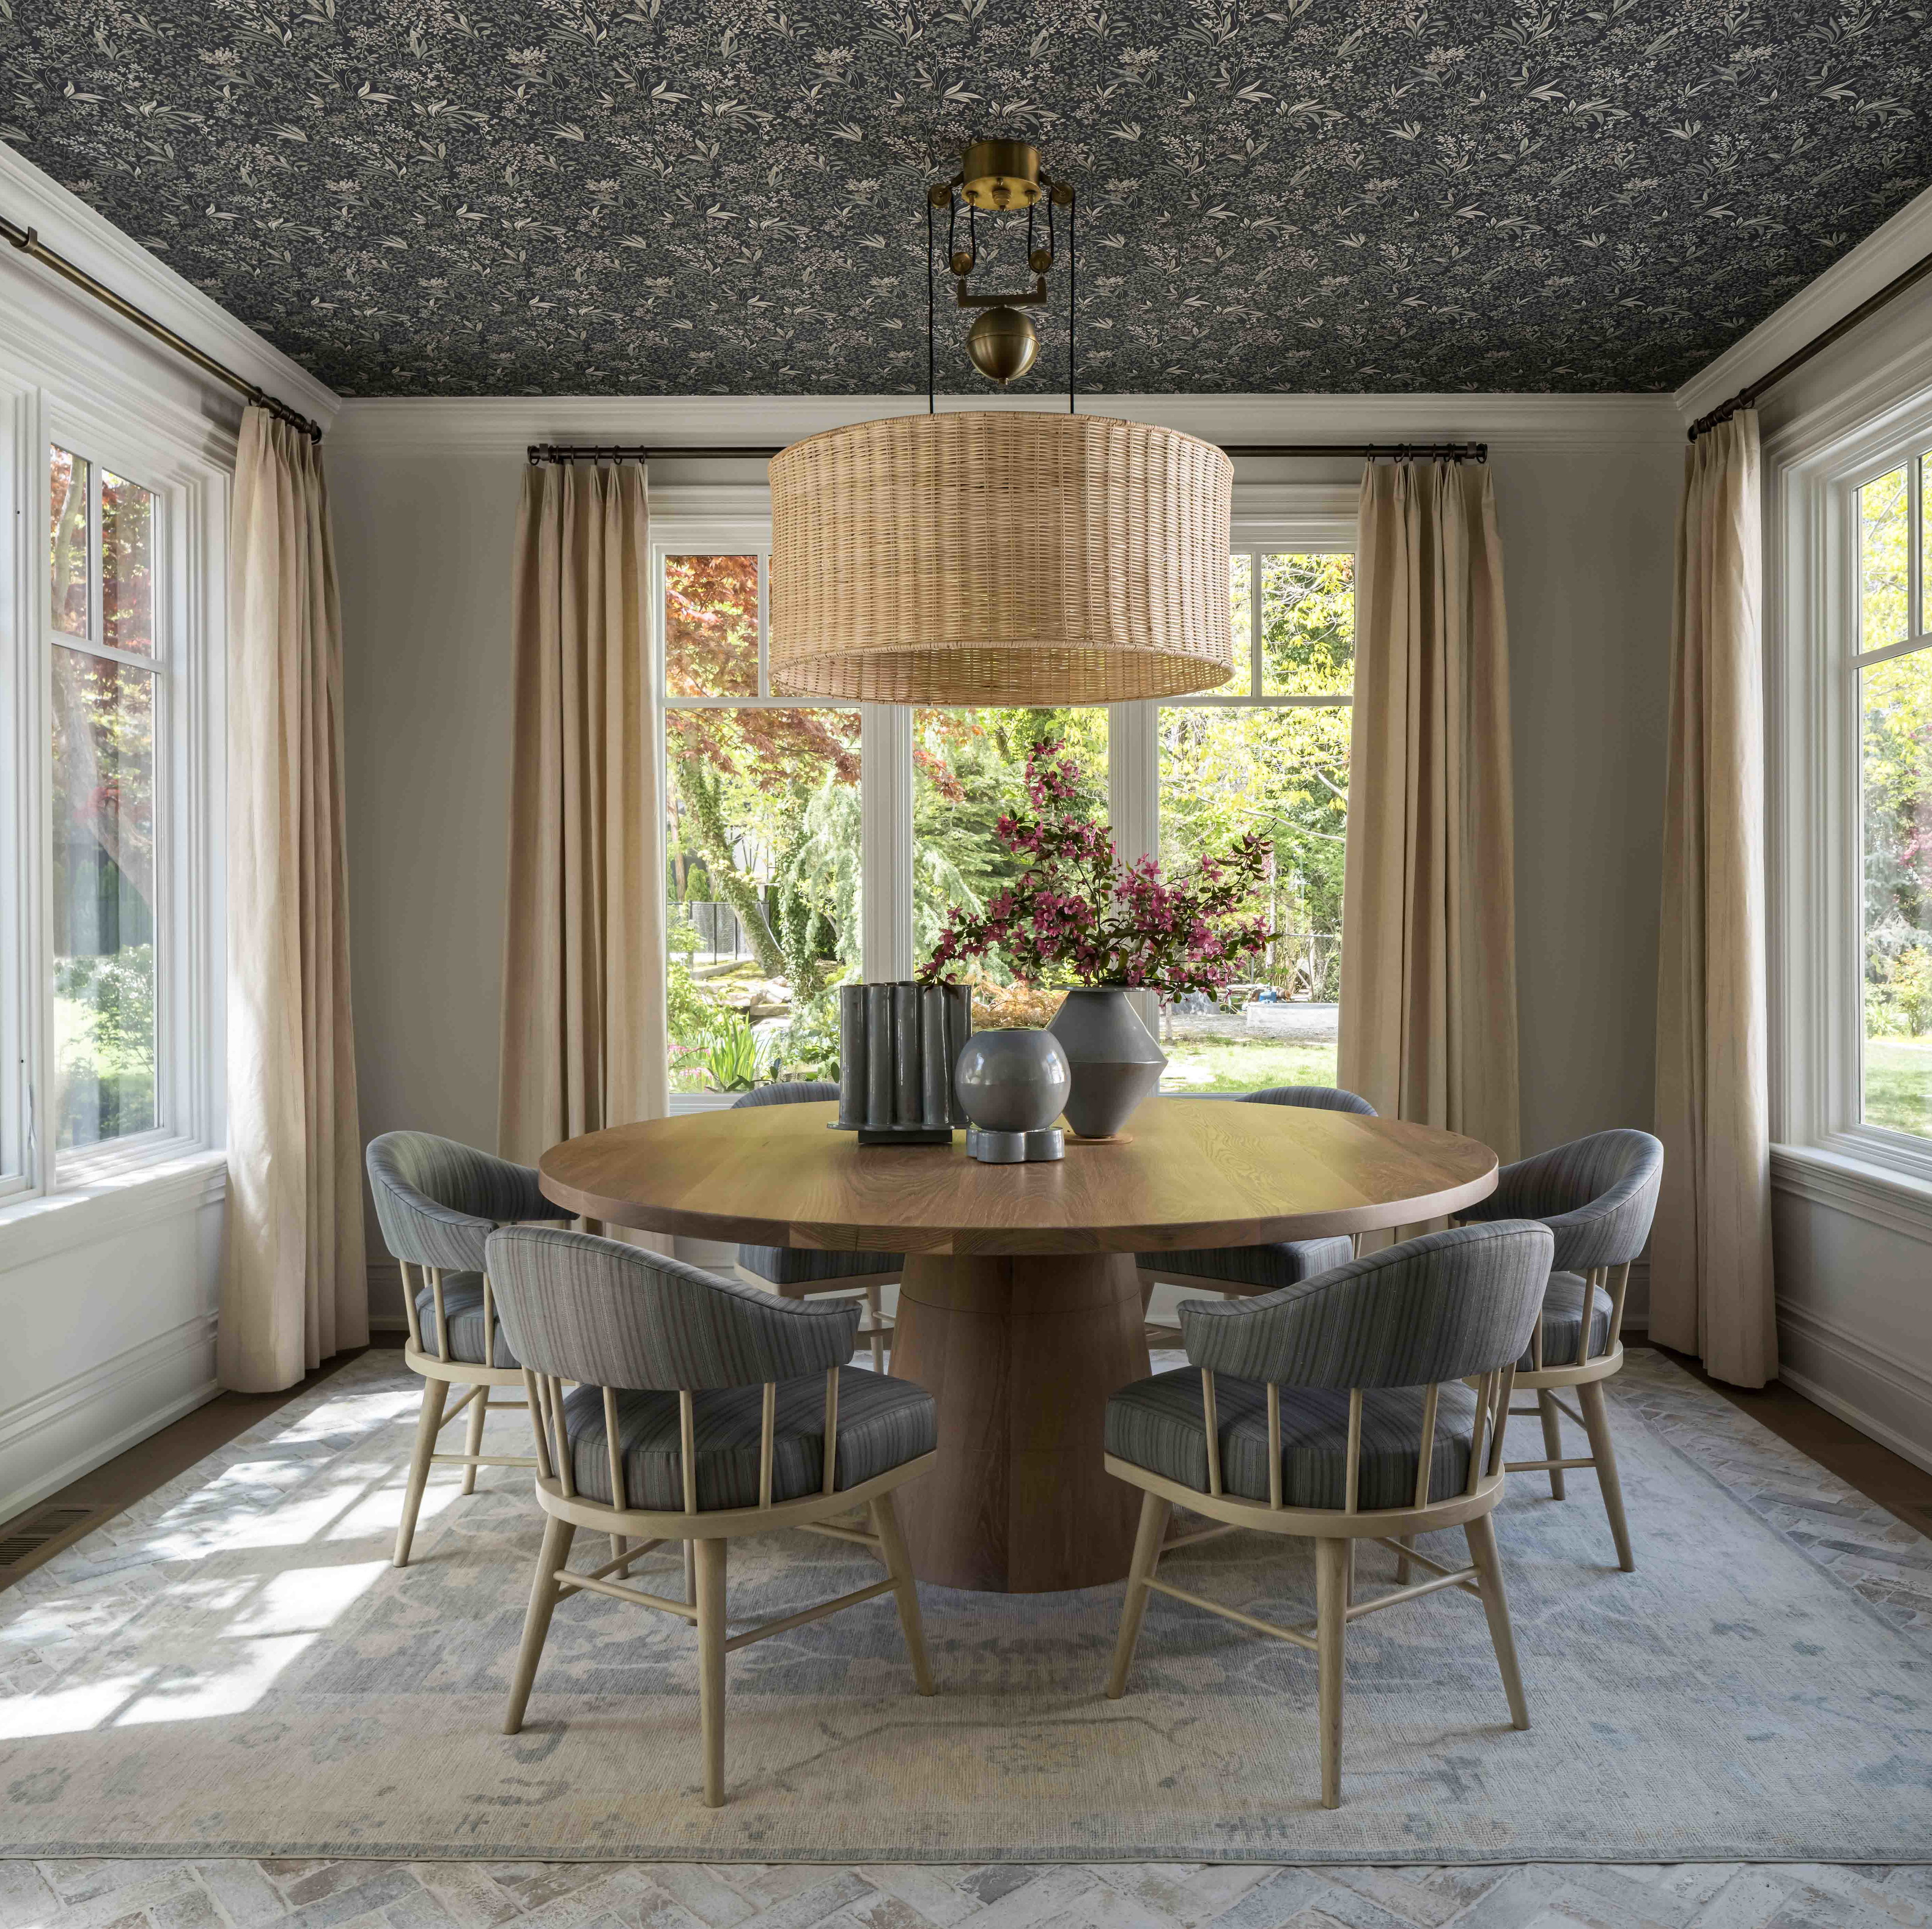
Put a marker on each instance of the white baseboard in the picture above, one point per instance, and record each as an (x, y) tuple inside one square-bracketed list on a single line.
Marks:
[(190, 1345), (1881, 1396)]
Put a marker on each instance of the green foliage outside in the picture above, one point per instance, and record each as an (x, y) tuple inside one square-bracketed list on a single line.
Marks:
[(764, 816)]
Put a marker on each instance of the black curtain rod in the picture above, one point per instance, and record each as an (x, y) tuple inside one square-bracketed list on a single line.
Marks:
[(543, 452), (29, 243), (1747, 397)]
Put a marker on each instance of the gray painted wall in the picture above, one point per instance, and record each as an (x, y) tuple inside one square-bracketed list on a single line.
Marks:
[(423, 536)]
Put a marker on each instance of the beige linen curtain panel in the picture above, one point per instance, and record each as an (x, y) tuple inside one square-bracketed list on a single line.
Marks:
[(583, 1036), (1711, 1271), (1428, 1018), (295, 1288)]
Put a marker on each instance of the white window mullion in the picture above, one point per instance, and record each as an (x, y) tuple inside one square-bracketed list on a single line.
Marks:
[(886, 850)]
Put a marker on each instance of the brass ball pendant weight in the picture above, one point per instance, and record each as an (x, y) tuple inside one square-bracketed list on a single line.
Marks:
[(1002, 344)]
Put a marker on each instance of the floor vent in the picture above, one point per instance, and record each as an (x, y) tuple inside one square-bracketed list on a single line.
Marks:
[(41, 1532)]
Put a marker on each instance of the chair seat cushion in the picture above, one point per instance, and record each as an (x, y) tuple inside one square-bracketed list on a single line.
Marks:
[(1563, 1314), (1255, 1268), (1159, 1425), (463, 1309), (882, 1423), (799, 1266)]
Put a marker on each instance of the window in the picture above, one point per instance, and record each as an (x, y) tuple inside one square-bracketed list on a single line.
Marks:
[(105, 670), (1892, 666), (1269, 752), (111, 887), (762, 841), (773, 846)]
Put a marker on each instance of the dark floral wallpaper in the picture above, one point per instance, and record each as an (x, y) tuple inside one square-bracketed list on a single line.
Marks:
[(645, 196)]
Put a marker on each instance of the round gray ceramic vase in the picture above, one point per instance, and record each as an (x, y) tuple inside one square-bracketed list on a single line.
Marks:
[(1012, 1080), (1116, 1063)]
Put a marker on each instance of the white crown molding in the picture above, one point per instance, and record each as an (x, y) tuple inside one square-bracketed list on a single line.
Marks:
[(499, 424), (1855, 276), (67, 225)]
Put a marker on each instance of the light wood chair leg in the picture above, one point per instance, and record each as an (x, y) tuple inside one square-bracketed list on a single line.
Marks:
[(1348, 1575), (1481, 1534), (711, 1665), (435, 1395), (905, 1590), (1148, 1540), (875, 1317), (479, 1415), (1331, 1622), (1553, 1437), (1603, 1451), (544, 1595), (1402, 1564), (691, 1572)]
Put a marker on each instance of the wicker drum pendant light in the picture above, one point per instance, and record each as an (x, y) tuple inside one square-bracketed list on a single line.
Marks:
[(978, 557), (999, 558)]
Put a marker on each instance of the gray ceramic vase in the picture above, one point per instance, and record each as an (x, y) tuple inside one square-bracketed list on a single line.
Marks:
[(1012, 1080), (1116, 1063)]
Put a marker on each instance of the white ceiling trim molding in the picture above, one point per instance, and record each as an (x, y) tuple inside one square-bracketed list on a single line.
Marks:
[(492, 424), (67, 225), (1855, 276)]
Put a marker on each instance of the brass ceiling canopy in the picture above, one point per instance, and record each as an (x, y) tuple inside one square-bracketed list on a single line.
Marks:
[(1009, 557), (997, 176)]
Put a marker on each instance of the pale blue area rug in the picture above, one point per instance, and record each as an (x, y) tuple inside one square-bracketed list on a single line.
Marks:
[(233, 1669)]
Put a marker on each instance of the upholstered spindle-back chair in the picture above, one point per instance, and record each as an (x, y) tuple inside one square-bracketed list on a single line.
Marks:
[(1598, 1196), (1243, 1270), (1340, 1410), (437, 1202), (704, 1410), (794, 1272)]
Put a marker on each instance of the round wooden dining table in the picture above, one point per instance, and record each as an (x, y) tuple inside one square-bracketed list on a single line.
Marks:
[(1020, 1307)]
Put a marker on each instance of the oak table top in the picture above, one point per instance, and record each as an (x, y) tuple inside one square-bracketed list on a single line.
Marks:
[(1189, 1173)]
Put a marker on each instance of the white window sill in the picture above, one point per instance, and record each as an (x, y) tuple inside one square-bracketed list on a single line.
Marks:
[(1881, 1195), (55, 1222)]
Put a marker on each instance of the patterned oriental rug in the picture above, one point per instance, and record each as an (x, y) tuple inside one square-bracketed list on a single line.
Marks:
[(233, 1669)]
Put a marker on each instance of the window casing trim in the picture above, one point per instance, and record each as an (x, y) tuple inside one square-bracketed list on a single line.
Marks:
[(1814, 469)]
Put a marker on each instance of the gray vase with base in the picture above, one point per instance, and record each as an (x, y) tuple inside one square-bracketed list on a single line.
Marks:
[(1011, 1084), (1116, 1063)]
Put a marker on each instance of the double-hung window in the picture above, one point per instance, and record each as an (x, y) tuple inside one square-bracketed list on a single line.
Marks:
[(109, 896)]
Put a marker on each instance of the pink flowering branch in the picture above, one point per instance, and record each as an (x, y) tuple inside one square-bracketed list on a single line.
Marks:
[(1076, 913)]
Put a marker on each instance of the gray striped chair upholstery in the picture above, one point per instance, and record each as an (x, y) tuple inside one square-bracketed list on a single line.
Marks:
[(703, 1409), (797, 1272), (1341, 1408), (1249, 1269), (437, 1203), (1598, 1196)]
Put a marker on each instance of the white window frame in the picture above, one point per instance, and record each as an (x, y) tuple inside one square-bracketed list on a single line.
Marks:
[(1315, 518), (115, 433), (1815, 470)]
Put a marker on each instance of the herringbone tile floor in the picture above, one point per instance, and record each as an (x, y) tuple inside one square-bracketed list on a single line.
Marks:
[(1123, 1895)]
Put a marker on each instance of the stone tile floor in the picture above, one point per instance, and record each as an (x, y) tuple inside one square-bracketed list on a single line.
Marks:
[(1123, 1895)]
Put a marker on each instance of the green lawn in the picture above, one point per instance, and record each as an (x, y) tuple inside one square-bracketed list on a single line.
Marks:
[(1241, 1065), (1898, 1084)]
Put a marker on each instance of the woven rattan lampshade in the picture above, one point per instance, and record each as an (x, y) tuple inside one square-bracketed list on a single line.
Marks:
[(1021, 559)]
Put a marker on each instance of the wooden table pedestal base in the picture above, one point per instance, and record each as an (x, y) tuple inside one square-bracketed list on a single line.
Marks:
[(1022, 1353)]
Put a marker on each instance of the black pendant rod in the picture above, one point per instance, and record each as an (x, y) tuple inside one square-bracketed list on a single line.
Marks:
[(543, 452), (1747, 396), (30, 244)]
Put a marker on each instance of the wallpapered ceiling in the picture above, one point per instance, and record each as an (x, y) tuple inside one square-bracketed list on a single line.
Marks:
[(644, 196)]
